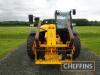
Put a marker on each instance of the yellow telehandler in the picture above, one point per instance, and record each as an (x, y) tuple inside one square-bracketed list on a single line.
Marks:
[(54, 40)]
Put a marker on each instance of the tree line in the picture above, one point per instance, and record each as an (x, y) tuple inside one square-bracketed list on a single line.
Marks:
[(78, 22), (14, 23), (85, 22)]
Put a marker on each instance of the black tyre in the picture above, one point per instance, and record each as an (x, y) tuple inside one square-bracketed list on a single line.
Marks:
[(30, 43), (77, 45)]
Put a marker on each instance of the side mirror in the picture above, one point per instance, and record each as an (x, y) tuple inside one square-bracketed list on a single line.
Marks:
[(30, 19), (36, 19), (57, 12), (74, 11)]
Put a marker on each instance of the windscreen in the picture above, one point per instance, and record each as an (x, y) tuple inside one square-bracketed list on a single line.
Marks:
[(62, 20)]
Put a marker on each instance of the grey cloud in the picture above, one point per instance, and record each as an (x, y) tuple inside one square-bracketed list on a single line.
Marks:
[(13, 10), (19, 9)]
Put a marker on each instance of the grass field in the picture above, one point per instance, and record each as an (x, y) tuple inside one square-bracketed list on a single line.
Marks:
[(90, 38), (12, 37)]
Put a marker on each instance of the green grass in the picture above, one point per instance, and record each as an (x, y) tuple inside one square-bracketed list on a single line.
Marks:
[(12, 37), (90, 37)]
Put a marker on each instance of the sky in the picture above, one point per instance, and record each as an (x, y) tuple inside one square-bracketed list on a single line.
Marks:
[(18, 10)]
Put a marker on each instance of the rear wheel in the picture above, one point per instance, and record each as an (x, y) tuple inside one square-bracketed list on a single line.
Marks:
[(77, 46), (30, 43)]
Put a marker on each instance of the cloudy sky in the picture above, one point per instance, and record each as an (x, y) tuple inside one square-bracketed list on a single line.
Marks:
[(20, 9)]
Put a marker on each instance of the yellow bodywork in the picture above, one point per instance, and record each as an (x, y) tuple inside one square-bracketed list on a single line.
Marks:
[(51, 45)]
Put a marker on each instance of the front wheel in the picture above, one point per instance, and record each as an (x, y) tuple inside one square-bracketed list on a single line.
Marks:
[(30, 43), (77, 46)]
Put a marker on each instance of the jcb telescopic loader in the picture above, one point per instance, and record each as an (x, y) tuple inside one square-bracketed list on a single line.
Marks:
[(54, 40)]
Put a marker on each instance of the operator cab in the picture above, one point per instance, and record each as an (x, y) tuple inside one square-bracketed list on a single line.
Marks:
[(62, 19)]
